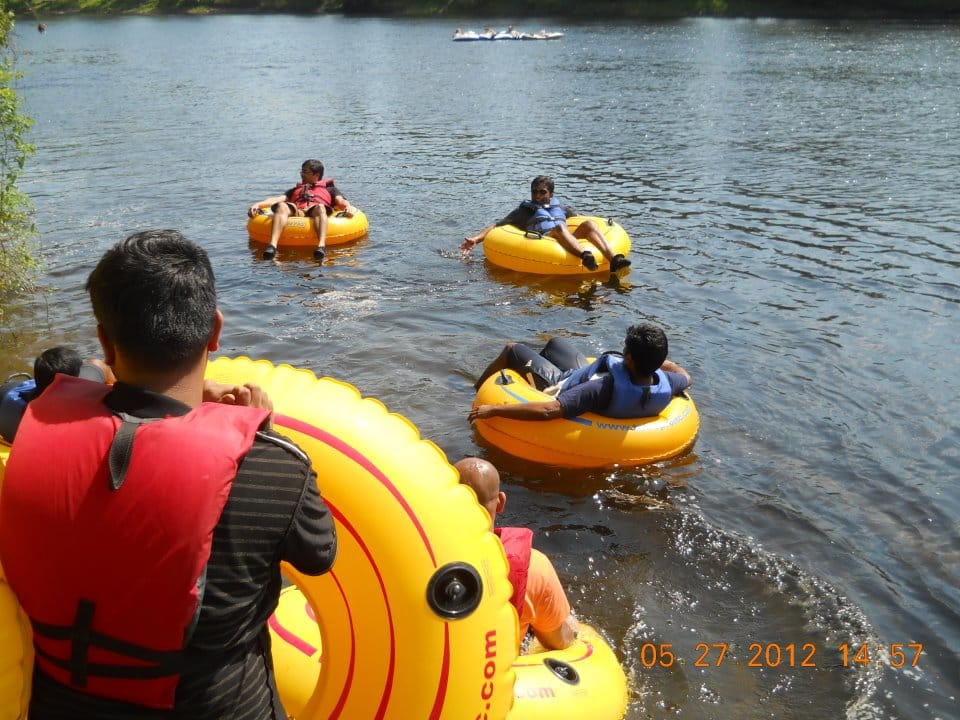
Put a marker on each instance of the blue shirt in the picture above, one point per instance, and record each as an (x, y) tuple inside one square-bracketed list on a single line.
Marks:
[(595, 395)]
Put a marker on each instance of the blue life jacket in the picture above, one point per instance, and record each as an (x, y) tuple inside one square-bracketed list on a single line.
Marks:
[(13, 403), (629, 399), (545, 217)]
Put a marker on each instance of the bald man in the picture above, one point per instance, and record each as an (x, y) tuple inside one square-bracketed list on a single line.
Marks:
[(538, 596)]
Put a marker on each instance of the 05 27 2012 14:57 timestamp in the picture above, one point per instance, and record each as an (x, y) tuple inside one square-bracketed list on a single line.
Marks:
[(788, 655)]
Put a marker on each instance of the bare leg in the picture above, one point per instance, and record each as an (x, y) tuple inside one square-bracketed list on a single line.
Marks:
[(281, 214), (589, 230), (567, 241), (318, 217)]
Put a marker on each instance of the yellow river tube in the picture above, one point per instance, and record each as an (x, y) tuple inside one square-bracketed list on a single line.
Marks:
[(587, 441), (584, 680), (415, 614), (16, 643), (299, 231), (516, 249)]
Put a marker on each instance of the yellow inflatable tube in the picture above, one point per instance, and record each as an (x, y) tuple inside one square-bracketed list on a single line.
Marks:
[(299, 231), (513, 248), (586, 441), (583, 681), (16, 644), (415, 615), (415, 553)]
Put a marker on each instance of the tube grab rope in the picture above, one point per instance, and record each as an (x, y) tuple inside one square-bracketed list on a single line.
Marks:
[(299, 231)]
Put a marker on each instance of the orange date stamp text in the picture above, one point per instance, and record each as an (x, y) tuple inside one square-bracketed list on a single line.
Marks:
[(783, 655)]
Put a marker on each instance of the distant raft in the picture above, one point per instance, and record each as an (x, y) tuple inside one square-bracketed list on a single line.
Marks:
[(589, 440), (510, 247), (584, 680), (470, 35), (299, 231)]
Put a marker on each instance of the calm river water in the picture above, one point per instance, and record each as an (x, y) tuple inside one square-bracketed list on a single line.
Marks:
[(790, 189)]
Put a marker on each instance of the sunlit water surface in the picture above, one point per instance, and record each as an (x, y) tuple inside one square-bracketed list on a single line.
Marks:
[(790, 189)]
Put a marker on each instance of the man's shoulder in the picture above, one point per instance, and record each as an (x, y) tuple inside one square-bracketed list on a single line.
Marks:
[(273, 443), (518, 216), (276, 456), (678, 382), (273, 467), (539, 559), (541, 568)]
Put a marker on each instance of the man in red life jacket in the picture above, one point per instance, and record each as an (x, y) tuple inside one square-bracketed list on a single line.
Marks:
[(312, 197), (538, 596), (142, 525)]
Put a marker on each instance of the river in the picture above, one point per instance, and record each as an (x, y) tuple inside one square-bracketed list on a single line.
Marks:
[(790, 190)]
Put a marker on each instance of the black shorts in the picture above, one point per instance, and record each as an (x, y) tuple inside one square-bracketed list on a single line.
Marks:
[(547, 367), (297, 212)]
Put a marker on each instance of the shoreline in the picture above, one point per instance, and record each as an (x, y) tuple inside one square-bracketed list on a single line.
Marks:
[(598, 10)]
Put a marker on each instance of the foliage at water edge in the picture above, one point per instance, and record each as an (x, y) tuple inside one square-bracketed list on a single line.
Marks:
[(919, 9), (17, 231)]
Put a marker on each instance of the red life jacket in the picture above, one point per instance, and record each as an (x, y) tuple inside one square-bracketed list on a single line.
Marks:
[(109, 574), (306, 195), (517, 543)]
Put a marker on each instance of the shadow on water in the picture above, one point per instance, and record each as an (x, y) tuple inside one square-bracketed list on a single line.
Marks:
[(343, 253), (586, 292)]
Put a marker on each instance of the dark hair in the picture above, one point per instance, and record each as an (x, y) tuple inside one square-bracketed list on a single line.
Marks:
[(646, 344), (155, 296), (55, 360), (314, 166), (542, 180)]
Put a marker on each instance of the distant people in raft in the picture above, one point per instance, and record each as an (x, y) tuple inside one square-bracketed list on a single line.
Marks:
[(313, 197), (640, 382), (538, 596), (511, 33), (544, 214), (16, 394)]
